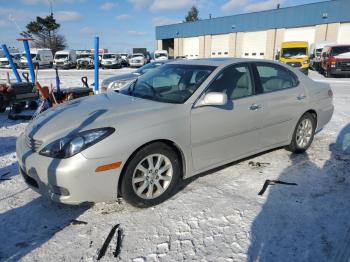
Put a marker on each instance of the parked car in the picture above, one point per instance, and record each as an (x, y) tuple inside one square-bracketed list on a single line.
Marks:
[(111, 61), (160, 55), (65, 59), (125, 60), (137, 60), (179, 120), (85, 61), (117, 82), (315, 54), (40, 58), (16, 58), (295, 54), (335, 60)]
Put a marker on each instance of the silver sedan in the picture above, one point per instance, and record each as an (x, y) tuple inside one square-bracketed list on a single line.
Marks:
[(174, 122)]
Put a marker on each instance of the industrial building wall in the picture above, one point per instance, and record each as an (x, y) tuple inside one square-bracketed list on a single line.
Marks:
[(259, 44)]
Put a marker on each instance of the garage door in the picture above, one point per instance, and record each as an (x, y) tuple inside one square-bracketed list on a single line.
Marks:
[(254, 44), (300, 34), (344, 33), (220, 45), (191, 47)]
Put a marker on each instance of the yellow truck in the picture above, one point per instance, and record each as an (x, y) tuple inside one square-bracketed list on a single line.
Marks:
[(296, 55)]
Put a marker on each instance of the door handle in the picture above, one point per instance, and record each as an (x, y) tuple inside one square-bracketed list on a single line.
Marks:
[(255, 107), (301, 97)]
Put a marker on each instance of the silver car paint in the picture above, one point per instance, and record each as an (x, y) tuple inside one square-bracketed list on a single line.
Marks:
[(204, 136)]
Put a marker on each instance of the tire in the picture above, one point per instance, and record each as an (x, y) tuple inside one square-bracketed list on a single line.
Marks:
[(33, 105), (296, 145), (150, 182), (16, 108)]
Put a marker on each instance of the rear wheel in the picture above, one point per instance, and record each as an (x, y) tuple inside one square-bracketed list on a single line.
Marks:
[(151, 175), (303, 134)]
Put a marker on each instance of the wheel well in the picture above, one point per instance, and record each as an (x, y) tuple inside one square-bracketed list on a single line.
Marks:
[(313, 113), (170, 143)]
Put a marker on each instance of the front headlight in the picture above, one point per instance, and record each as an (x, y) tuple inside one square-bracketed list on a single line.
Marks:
[(118, 84), (305, 62), (73, 144)]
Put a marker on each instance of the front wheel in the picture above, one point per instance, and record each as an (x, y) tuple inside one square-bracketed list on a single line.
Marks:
[(151, 175), (303, 134)]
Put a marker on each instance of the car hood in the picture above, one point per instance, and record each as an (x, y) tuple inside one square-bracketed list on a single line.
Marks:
[(124, 77), (104, 110)]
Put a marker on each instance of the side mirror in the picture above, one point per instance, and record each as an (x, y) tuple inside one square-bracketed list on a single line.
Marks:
[(213, 99)]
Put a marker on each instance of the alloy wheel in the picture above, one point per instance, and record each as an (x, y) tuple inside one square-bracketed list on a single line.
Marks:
[(152, 176)]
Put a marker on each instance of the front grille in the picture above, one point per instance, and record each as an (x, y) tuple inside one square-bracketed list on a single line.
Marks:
[(344, 65), (294, 64), (33, 144)]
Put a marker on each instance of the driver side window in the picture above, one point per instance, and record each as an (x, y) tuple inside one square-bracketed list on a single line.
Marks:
[(235, 81)]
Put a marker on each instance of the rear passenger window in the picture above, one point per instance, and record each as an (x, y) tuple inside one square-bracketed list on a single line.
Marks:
[(274, 78), (235, 81)]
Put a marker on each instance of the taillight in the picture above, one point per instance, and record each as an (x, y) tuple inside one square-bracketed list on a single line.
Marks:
[(330, 93)]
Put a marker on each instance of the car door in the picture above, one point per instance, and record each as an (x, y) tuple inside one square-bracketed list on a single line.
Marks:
[(284, 99), (222, 134)]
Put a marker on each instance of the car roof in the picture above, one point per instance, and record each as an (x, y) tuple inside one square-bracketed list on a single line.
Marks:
[(217, 61)]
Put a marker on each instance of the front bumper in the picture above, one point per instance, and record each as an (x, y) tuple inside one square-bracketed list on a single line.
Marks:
[(111, 65), (138, 64), (70, 181), (339, 71)]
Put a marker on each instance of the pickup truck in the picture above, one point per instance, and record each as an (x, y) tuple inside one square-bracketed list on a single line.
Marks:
[(335, 60)]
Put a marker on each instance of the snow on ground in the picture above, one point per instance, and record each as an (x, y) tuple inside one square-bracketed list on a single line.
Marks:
[(217, 216), (69, 78)]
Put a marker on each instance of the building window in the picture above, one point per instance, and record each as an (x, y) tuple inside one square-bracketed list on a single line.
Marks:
[(213, 53), (226, 53), (219, 53), (254, 54), (261, 53), (246, 54)]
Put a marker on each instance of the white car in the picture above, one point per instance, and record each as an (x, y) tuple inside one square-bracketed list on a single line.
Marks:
[(40, 58), (111, 61), (160, 55), (16, 58), (137, 60), (85, 61), (65, 59)]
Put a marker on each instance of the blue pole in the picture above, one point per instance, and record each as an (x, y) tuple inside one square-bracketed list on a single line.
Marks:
[(96, 64), (12, 64), (29, 59)]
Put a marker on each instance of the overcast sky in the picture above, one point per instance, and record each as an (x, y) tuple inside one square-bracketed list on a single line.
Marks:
[(121, 24)]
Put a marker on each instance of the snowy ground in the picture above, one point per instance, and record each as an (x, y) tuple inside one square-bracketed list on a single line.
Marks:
[(217, 216)]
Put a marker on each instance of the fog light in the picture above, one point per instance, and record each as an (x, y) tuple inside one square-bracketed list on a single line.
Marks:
[(59, 190)]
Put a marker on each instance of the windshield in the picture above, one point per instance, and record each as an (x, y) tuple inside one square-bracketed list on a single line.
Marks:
[(318, 51), (340, 50), (294, 52), (170, 83), (147, 68), (108, 56), (158, 55), (61, 56)]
